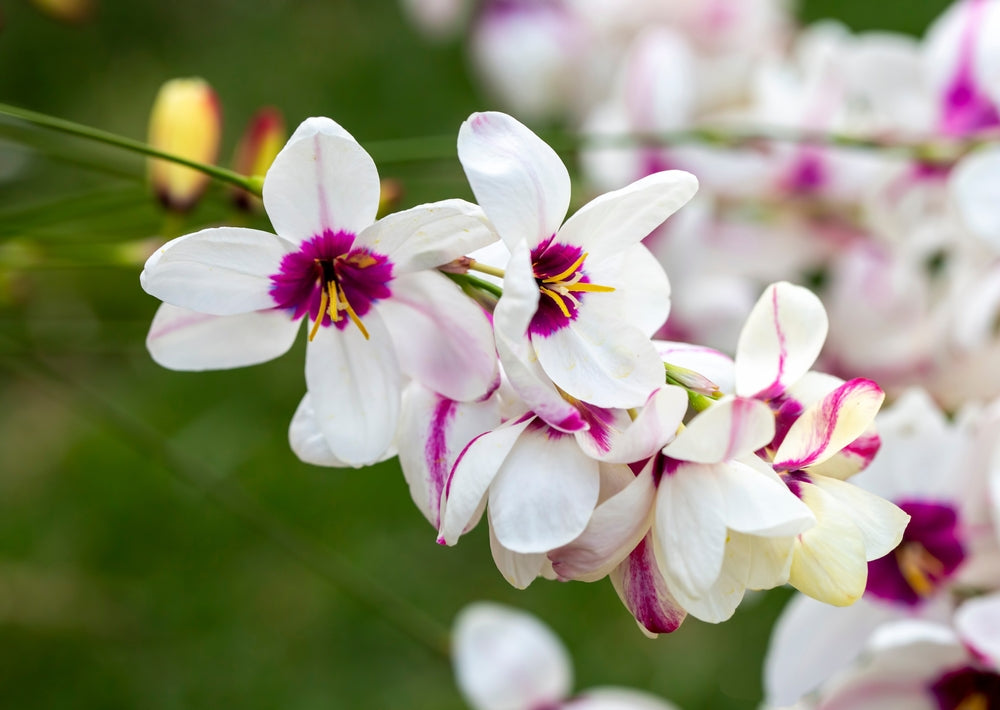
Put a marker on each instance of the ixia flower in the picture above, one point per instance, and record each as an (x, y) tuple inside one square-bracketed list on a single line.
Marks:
[(379, 313), (581, 299)]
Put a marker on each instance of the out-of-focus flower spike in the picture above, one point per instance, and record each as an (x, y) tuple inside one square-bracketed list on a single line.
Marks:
[(186, 120), (390, 195), (70, 11), (264, 136)]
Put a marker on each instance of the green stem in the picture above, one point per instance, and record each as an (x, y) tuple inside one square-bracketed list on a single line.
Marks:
[(475, 283), (51, 123)]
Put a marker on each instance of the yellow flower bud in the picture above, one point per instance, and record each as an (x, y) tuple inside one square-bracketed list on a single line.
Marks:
[(265, 135), (186, 120)]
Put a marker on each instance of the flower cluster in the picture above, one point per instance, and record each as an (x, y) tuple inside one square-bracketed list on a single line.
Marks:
[(542, 400)]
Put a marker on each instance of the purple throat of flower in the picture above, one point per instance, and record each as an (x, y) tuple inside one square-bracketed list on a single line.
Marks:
[(928, 556), (967, 688), (331, 281), (562, 283)]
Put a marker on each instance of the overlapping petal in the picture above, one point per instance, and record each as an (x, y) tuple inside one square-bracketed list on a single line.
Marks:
[(640, 284), (645, 593), (733, 427)]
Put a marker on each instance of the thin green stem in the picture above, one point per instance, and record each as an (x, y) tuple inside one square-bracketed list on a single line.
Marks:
[(467, 280), (486, 269), (60, 125)]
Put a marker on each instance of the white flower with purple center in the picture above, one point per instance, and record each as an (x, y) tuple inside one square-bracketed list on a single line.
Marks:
[(580, 299), (380, 314)]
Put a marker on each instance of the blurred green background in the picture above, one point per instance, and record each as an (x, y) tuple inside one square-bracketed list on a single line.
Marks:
[(160, 546)]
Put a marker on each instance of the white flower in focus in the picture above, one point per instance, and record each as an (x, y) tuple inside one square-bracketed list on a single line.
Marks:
[(379, 312), (506, 659)]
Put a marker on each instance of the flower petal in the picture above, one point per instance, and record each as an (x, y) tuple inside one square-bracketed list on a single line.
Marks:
[(181, 339), (429, 236), (519, 569), (880, 522), (356, 387), (641, 287), (519, 181), (978, 623), (732, 427), (443, 339), (433, 431), (621, 218), (829, 425), (474, 471), (615, 528), (711, 364), (780, 340), (644, 592), (974, 189), (505, 659), (309, 443), (616, 699), (221, 271), (627, 440), (321, 180), (718, 602), (760, 504), (545, 492)]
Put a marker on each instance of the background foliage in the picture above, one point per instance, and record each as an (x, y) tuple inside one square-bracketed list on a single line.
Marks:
[(160, 546)]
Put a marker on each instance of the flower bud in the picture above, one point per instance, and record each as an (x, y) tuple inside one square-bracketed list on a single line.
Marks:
[(186, 121), (264, 136)]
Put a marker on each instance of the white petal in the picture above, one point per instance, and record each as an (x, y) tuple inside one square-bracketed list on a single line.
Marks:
[(506, 659), (621, 218), (603, 361), (880, 522), (641, 287), (615, 528), (644, 592), (519, 569), (718, 602), (321, 180), (829, 425), (433, 431), (780, 340), (770, 560), (730, 428), (470, 479), (356, 388), (811, 641), (429, 236), (978, 623), (443, 339), (975, 189), (309, 443), (617, 699), (545, 493), (761, 504), (181, 339), (519, 181), (690, 527), (221, 271), (630, 440)]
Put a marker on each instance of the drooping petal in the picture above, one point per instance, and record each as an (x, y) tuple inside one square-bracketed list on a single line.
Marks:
[(181, 339), (718, 602), (811, 641), (780, 340), (221, 271), (309, 443), (321, 180), (644, 592), (615, 528), (880, 522), (356, 388), (978, 623), (443, 339), (429, 236), (621, 218), (519, 569), (770, 560), (641, 287), (474, 471), (545, 492), (616, 699), (759, 503), (433, 431), (519, 181), (690, 525), (505, 659), (628, 440), (829, 425), (603, 361), (733, 427)]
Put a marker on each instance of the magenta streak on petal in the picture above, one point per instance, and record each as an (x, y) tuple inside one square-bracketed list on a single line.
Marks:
[(436, 453), (641, 592), (599, 421), (957, 688), (451, 474), (794, 481), (808, 173), (664, 465), (776, 388), (786, 411), (178, 324), (965, 109), (826, 422), (863, 448), (737, 424)]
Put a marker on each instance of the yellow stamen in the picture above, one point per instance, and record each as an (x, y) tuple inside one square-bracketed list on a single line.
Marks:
[(588, 287), (361, 260), (319, 316), (334, 306), (557, 298), (917, 565), (974, 701), (560, 276), (350, 312)]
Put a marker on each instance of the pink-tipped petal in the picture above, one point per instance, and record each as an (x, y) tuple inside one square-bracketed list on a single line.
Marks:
[(519, 181), (780, 340), (644, 592), (630, 440), (829, 425), (181, 339), (322, 180), (726, 430)]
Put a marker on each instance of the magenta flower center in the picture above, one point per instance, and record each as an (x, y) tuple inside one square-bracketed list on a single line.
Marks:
[(928, 556), (562, 283), (333, 281), (967, 688)]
